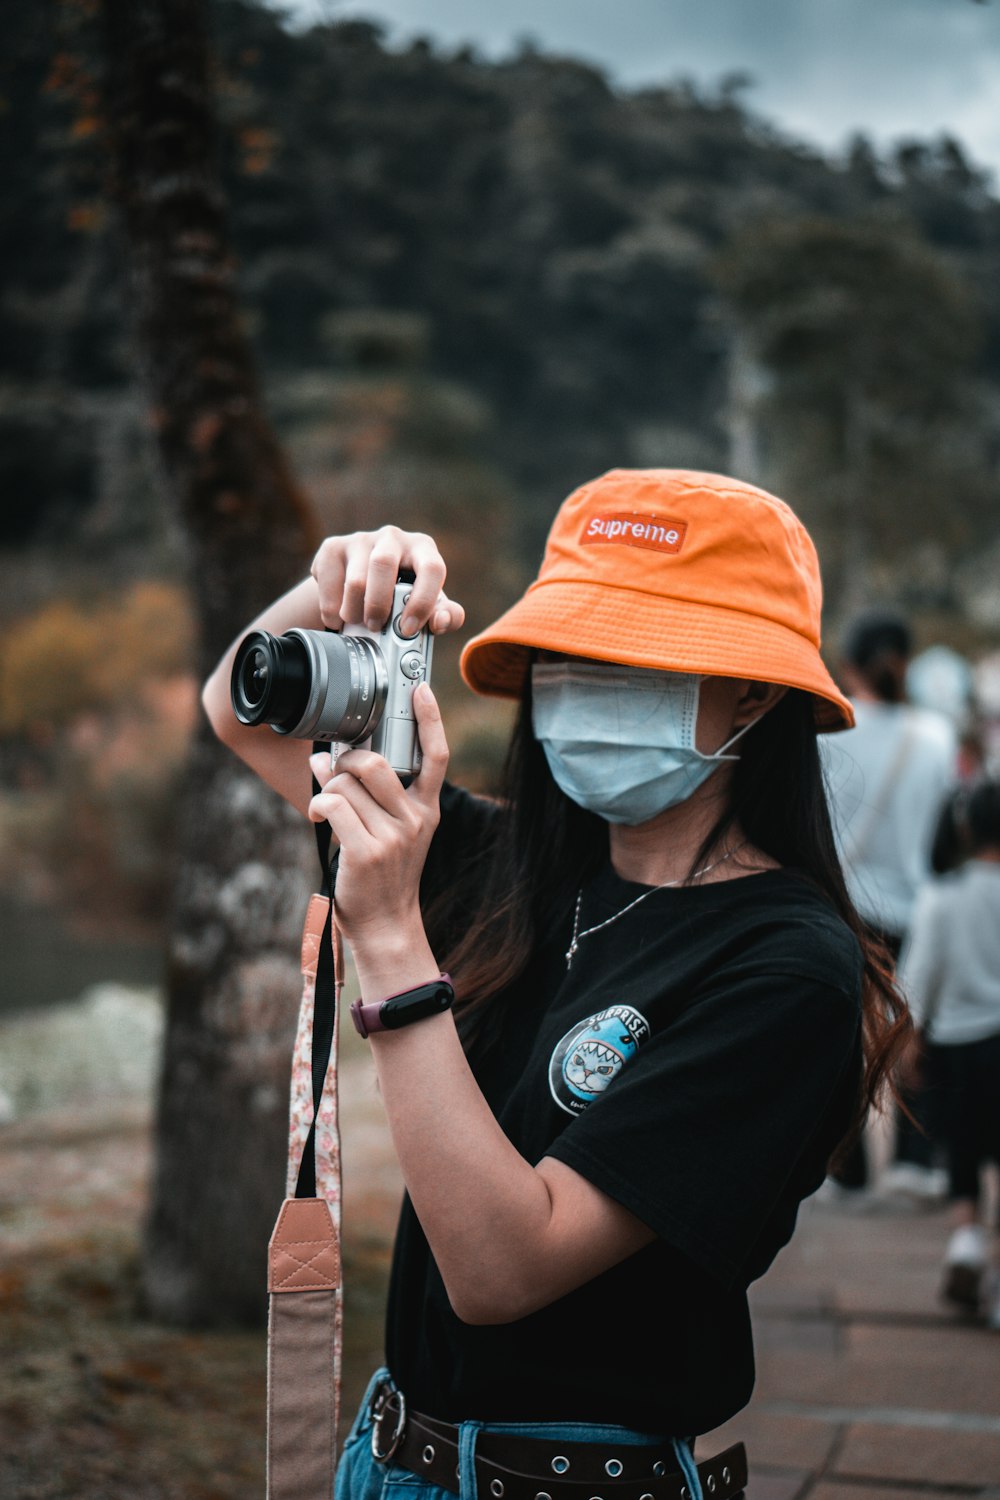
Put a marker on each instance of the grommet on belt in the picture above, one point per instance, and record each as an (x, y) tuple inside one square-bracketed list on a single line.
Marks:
[(380, 1405), (522, 1466)]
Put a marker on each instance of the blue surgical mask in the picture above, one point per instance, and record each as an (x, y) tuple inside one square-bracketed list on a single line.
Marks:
[(620, 740)]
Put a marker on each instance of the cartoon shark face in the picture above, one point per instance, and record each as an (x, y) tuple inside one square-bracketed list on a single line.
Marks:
[(591, 1064), (593, 1053)]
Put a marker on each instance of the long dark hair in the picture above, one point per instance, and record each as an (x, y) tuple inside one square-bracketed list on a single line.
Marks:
[(545, 846)]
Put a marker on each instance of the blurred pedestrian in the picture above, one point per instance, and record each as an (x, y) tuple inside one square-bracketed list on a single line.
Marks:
[(888, 778), (950, 846), (950, 969)]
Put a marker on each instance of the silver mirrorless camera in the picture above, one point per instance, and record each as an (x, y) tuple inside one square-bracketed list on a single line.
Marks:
[(353, 687)]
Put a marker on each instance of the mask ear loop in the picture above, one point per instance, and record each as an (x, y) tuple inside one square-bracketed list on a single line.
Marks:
[(720, 754)]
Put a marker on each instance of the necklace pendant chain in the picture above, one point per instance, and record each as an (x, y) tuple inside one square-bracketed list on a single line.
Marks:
[(578, 935)]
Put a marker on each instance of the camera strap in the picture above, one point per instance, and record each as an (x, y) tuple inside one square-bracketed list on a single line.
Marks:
[(305, 1314)]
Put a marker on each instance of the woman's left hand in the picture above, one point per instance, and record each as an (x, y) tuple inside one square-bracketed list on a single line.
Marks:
[(384, 829)]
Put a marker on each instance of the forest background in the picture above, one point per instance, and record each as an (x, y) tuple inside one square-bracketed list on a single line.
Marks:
[(468, 286)]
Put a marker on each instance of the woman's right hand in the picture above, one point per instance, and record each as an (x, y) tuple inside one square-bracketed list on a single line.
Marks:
[(352, 580), (356, 575)]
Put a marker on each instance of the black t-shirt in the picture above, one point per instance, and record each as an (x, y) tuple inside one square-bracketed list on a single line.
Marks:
[(698, 1063)]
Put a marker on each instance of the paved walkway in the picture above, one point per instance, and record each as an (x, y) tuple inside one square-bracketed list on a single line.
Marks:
[(868, 1388)]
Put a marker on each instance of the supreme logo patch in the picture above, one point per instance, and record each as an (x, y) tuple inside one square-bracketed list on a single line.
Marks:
[(631, 529)]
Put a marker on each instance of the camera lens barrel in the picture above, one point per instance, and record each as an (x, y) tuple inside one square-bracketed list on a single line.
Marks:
[(312, 684), (348, 687)]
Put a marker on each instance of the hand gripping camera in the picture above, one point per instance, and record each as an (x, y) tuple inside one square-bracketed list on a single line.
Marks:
[(349, 687)]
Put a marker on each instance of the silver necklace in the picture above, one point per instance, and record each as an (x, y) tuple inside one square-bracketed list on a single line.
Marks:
[(578, 936)]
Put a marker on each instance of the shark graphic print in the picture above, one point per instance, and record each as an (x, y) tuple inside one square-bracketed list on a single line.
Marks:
[(592, 1053)]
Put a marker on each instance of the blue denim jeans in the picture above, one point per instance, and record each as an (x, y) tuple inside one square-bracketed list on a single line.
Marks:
[(359, 1477)]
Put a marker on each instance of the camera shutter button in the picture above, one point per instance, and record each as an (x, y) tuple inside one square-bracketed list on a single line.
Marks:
[(412, 664), (399, 634)]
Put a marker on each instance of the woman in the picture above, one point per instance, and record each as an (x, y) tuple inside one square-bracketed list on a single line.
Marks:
[(667, 1015)]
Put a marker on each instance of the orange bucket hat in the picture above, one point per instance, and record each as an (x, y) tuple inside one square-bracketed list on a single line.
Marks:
[(675, 570)]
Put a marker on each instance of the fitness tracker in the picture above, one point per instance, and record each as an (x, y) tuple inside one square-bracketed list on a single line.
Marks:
[(399, 1010)]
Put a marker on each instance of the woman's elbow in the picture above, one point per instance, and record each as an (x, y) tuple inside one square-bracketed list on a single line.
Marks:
[(217, 708), (481, 1311), (489, 1301)]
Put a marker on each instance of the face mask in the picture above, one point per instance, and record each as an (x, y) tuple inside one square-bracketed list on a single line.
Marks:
[(620, 740)]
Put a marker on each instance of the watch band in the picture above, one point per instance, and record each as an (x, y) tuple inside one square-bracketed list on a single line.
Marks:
[(399, 1010)]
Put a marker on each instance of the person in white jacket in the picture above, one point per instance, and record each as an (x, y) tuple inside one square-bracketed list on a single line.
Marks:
[(887, 779), (950, 971)]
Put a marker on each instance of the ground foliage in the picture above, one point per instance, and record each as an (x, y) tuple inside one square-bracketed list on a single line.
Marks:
[(97, 1400)]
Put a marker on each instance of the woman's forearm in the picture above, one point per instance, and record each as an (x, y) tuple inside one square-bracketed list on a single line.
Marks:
[(483, 1207)]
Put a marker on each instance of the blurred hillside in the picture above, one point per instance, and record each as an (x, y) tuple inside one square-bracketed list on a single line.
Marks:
[(543, 246), (471, 286)]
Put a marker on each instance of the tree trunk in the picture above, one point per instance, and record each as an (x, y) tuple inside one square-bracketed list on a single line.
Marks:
[(233, 948), (747, 386), (856, 549)]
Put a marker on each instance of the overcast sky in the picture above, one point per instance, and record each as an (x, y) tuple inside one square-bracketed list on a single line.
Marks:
[(823, 68)]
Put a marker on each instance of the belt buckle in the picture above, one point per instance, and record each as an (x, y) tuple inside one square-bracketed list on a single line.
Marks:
[(379, 1402)]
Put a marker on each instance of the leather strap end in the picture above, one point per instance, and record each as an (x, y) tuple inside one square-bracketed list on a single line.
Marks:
[(312, 933), (304, 1252)]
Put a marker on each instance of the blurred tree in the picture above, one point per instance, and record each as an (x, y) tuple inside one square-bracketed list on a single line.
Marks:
[(232, 980), (852, 378), (97, 704), (68, 660)]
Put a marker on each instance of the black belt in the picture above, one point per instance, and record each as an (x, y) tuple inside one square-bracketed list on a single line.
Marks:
[(522, 1468)]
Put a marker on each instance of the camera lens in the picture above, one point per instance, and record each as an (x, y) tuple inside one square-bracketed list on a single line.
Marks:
[(271, 680), (312, 684)]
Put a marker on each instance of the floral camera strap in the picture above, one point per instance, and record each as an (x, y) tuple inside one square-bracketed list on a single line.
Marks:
[(305, 1317)]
